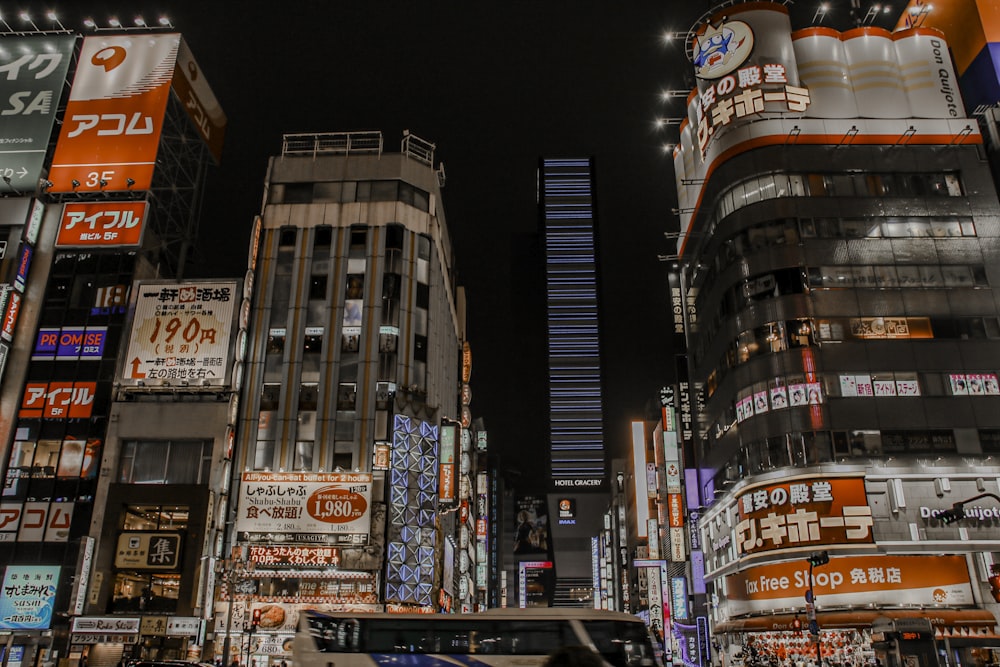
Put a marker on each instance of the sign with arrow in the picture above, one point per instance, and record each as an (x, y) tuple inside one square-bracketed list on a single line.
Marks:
[(32, 77)]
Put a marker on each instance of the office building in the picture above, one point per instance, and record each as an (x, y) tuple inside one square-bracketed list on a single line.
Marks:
[(838, 286), (354, 362), (578, 494), (95, 558)]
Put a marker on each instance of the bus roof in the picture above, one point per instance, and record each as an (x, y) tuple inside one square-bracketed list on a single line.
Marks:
[(515, 613)]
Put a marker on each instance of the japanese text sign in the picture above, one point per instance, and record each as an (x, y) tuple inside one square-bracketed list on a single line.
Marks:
[(803, 512), (102, 224)]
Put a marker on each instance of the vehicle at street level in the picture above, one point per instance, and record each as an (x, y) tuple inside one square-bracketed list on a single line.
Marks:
[(498, 638)]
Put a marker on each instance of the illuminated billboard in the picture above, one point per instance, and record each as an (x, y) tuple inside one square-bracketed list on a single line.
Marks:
[(304, 503), (32, 73), (180, 333), (907, 580), (58, 400), (199, 102), (28, 596), (803, 512), (69, 343), (110, 224), (111, 128)]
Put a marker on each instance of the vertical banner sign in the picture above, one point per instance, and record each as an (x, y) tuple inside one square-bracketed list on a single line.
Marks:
[(199, 101), (32, 72), (181, 333), (111, 129), (28, 596), (446, 479)]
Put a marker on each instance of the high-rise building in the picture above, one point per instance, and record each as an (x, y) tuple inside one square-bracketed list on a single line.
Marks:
[(578, 494), (839, 289), (355, 357), (95, 556)]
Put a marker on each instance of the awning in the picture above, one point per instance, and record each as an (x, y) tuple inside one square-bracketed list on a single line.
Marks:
[(979, 619)]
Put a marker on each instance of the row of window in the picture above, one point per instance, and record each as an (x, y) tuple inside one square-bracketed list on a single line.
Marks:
[(791, 231), (799, 280), (815, 447), (787, 334), (350, 191), (860, 184), (797, 390)]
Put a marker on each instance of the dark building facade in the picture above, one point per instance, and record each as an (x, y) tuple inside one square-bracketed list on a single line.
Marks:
[(838, 273), (578, 496)]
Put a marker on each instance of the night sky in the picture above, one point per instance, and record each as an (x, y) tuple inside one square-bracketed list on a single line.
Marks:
[(495, 85)]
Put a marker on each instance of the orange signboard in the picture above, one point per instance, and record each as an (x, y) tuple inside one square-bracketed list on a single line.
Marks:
[(924, 580), (803, 512), (112, 223), (111, 128), (58, 400)]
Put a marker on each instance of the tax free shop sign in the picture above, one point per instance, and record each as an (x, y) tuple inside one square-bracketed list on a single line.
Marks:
[(917, 580)]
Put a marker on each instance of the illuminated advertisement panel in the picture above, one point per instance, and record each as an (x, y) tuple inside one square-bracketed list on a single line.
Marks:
[(111, 129), (295, 555), (23, 266), (852, 580), (446, 476), (9, 320), (102, 224), (148, 551), (69, 343), (803, 512), (180, 333), (297, 502), (58, 400), (28, 596), (199, 102), (35, 521), (32, 72)]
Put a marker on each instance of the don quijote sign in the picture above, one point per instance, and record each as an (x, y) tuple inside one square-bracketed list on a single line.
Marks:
[(803, 512), (292, 502)]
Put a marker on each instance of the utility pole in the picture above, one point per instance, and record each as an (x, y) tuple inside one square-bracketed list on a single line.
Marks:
[(815, 560)]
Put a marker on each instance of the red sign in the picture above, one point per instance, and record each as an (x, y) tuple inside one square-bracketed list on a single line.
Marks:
[(676, 510), (58, 400), (335, 504), (114, 116), (10, 317), (102, 224), (803, 512), (446, 487)]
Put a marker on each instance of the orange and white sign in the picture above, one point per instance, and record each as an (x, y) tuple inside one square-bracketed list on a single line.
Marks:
[(916, 580), (305, 502), (111, 128), (803, 512), (58, 400), (104, 224)]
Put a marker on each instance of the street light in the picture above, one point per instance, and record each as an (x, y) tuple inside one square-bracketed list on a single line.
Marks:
[(957, 511), (816, 559)]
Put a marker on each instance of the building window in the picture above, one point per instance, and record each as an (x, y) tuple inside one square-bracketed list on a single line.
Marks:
[(287, 236), (317, 287), (276, 341), (308, 396), (347, 393), (269, 395), (304, 455), (263, 457), (165, 462)]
